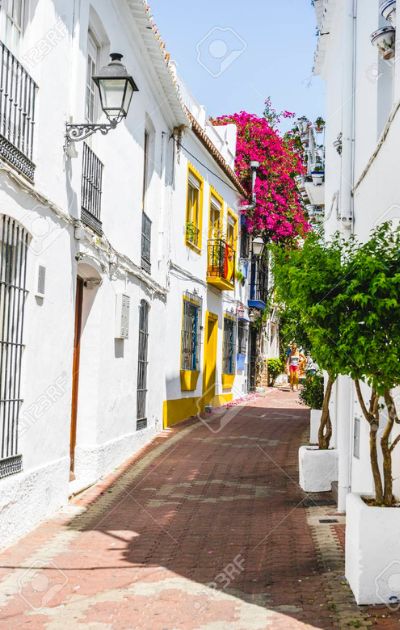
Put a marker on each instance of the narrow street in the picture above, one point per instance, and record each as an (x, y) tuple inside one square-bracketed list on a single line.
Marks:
[(204, 529)]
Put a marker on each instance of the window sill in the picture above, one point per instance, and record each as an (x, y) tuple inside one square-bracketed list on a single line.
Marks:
[(194, 247), (228, 380), (189, 380)]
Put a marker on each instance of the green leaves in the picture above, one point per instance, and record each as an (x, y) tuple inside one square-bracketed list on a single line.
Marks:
[(346, 296)]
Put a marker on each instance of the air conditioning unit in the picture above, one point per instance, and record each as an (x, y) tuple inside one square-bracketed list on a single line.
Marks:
[(122, 311)]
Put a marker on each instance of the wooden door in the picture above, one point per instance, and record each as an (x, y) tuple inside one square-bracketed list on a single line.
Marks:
[(75, 372)]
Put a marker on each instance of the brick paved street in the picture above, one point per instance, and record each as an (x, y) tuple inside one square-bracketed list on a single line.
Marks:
[(204, 529)]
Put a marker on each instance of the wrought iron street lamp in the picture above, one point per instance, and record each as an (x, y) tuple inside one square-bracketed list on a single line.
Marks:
[(116, 88), (258, 246)]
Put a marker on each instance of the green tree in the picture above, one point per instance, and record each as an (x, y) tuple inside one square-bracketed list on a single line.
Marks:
[(370, 343), (310, 281)]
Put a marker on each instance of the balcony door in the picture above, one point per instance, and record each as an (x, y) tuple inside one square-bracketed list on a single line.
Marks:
[(210, 358)]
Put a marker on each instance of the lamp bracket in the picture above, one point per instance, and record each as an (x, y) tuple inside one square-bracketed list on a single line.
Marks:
[(76, 132)]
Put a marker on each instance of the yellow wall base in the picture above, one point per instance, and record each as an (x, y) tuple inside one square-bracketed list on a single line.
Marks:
[(176, 411), (189, 380)]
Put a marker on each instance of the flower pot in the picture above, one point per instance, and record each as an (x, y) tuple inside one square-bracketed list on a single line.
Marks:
[(388, 10), (384, 40), (318, 178), (315, 421), (372, 552), (317, 469)]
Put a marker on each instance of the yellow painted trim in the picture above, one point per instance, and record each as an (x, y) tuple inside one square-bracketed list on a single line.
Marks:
[(189, 380), (228, 380), (176, 411), (234, 216), (210, 358), (196, 174), (220, 283), (179, 410), (218, 197)]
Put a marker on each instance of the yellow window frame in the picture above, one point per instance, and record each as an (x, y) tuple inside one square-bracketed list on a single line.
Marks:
[(235, 222), (198, 224), (214, 193)]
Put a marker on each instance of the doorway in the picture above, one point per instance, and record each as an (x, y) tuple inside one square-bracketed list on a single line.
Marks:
[(75, 372), (210, 358)]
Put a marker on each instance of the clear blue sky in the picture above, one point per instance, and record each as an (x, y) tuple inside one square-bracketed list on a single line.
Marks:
[(232, 54)]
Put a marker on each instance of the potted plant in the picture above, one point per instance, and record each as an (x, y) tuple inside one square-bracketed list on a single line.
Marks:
[(318, 174), (312, 395), (388, 10), (319, 124), (384, 39), (309, 279), (370, 331), (191, 233)]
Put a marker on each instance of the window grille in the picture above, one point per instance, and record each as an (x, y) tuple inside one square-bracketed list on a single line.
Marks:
[(191, 332), (17, 113), (142, 360), (13, 258), (243, 332), (228, 359), (193, 211), (146, 243), (92, 182), (356, 444)]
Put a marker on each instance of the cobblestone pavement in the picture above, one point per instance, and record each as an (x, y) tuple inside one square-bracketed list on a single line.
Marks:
[(205, 529)]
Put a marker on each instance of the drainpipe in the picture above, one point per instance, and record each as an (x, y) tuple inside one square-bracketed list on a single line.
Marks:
[(344, 400)]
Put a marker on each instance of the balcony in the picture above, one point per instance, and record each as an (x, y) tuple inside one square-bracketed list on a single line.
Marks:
[(259, 285), (17, 114), (92, 181), (221, 262)]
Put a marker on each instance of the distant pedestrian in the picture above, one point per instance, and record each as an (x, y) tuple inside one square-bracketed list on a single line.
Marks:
[(293, 366)]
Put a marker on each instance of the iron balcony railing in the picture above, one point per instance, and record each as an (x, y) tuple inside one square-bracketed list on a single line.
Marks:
[(92, 181), (221, 260), (259, 281), (17, 114)]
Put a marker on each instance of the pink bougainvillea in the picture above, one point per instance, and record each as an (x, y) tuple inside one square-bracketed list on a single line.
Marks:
[(278, 214)]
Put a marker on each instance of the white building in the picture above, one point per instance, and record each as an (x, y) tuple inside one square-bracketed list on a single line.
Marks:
[(361, 189), (107, 254)]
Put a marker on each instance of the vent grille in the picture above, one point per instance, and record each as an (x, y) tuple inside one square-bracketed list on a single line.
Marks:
[(141, 424)]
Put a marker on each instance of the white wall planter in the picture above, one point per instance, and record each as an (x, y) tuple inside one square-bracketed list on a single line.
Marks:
[(384, 38), (315, 421), (388, 10), (318, 178), (372, 552), (317, 469)]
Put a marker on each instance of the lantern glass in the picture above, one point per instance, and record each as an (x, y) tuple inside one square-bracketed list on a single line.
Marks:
[(116, 89), (258, 246)]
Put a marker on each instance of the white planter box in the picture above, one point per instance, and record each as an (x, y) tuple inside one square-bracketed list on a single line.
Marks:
[(372, 552), (315, 421), (317, 469)]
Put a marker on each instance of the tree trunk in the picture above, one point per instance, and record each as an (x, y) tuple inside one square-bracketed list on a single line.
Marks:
[(325, 427), (387, 450), (372, 417)]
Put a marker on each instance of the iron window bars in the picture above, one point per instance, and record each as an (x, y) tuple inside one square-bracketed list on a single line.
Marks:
[(228, 359), (146, 243), (92, 181), (243, 333), (190, 343), (142, 363), (13, 260), (17, 114)]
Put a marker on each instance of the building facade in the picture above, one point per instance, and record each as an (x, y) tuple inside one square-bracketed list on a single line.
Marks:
[(362, 131), (123, 288)]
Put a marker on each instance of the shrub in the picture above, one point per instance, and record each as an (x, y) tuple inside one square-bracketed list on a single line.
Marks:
[(275, 367), (312, 393)]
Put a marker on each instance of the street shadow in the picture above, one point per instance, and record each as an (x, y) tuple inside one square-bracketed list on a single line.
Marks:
[(222, 510)]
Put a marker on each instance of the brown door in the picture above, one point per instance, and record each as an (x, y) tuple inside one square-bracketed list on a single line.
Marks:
[(75, 372)]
